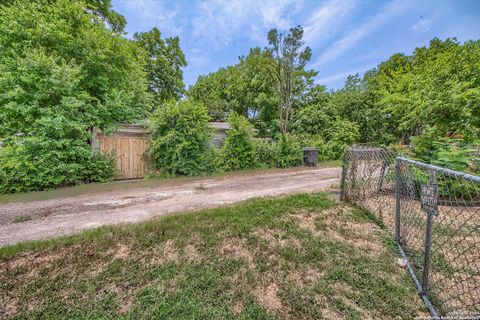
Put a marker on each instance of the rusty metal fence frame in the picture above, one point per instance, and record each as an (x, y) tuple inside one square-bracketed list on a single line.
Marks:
[(434, 214)]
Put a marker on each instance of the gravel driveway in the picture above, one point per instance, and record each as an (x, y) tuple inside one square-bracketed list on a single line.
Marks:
[(57, 217)]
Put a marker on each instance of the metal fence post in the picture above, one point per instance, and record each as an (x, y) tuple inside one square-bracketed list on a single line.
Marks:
[(428, 241), (397, 196)]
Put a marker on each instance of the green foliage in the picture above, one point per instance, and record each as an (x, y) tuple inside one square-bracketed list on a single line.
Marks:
[(313, 141), (451, 152), (245, 88), (341, 134), (53, 114), (355, 103), (181, 139), (265, 153), (321, 127), (164, 65), (239, 151), (63, 52), (103, 8), (313, 119), (35, 163), (209, 90), (437, 87), (62, 72), (434, 92), (289, 61), (287, 151)]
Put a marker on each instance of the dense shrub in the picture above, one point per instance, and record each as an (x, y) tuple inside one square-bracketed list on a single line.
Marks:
[(239, 151), (265, 153), (181, 139), (339, 135), (454, 152), (312, 141), (35, 163), (66, 61), (287, 151), (55, 153), (318, 127)]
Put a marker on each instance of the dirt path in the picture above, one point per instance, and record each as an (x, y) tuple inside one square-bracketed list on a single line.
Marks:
[(56, 217)]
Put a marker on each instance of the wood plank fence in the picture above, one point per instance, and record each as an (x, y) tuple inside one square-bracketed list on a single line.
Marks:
[(128, 145)]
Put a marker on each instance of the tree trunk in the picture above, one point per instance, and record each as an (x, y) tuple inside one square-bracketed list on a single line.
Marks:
[(287, 112), (280, 110), (288, 102)]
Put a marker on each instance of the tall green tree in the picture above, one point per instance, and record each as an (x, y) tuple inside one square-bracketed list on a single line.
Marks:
[(210, 90), (437, 87), (109, 81), (289, 59), (103, 8), (62, 72), (164, 64), (246, 88)]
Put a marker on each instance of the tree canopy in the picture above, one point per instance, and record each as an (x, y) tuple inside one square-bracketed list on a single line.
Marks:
[(65, 67), (289, 60), (64, 61), (431, 95), (164, 65)]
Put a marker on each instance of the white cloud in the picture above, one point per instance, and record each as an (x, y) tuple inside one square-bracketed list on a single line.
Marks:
[(156, 14), (422, 26), (324, 19), (217, 22), (356, 34)]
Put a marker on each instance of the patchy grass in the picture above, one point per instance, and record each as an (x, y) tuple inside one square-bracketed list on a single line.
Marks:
[(139, 183), (299, 257), (21, 219)]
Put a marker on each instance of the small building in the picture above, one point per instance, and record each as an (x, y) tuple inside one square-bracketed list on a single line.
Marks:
[(129, 143)]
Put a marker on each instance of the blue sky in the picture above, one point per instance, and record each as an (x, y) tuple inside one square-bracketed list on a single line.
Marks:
[(346, 37)]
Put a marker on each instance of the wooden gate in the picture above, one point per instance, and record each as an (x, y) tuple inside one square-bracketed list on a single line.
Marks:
[(129, 152), (128, 145)]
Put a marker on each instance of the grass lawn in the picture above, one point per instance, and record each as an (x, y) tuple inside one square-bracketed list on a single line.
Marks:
[(138, 183), (297, 257)]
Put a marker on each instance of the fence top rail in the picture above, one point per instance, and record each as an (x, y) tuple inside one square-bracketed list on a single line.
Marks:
[(364, 148), (459, 174)]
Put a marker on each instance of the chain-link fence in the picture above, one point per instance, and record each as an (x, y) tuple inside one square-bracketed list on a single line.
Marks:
[(435, 216)]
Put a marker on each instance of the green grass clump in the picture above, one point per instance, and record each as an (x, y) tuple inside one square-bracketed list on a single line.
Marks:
[(21, 219)]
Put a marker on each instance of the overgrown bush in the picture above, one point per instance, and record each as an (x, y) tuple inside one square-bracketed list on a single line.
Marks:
[(181, 139), (312, 141), (454, 152), (37, 163), (266, 153), (319, 127), (54, 154), (339, 135), (287, 151), (239, 151)]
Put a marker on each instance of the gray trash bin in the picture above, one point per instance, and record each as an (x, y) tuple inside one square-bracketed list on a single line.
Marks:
[(310, 156)]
